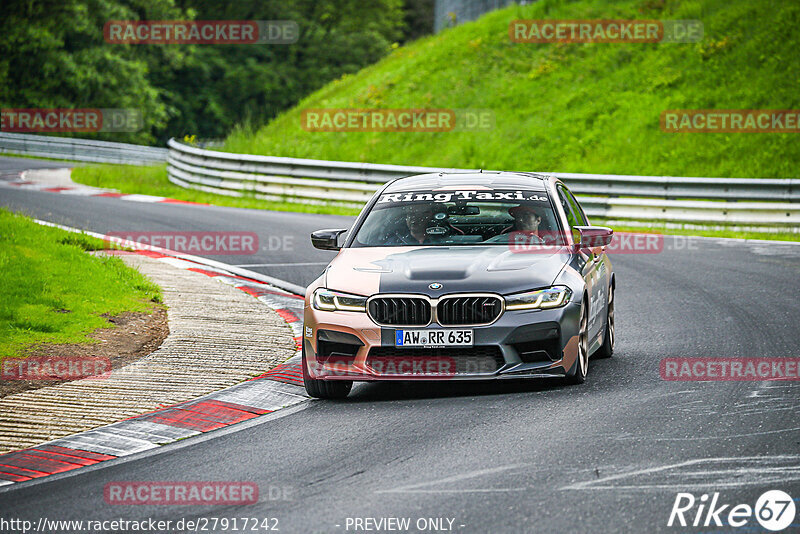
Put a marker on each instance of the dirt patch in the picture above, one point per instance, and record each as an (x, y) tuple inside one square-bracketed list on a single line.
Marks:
[(134, 336)]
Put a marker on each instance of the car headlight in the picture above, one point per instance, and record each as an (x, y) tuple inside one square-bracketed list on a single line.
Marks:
[(327, 300), (552, 297)]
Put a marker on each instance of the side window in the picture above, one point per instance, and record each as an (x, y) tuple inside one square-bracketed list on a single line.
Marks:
[(576, 208), (567, 206)]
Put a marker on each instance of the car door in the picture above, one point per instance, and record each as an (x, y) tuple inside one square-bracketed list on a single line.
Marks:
[(603, 265), (590, 262)]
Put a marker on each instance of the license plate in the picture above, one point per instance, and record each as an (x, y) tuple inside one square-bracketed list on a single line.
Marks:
[(433, 338)]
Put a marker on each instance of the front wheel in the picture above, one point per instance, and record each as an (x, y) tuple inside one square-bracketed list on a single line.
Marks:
[(577, 374), (324, 389)]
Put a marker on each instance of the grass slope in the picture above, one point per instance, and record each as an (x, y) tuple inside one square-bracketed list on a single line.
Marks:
[(52, 291), (573, 107)]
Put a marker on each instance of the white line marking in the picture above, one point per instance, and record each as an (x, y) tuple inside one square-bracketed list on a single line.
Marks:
[(143, 198), (280, 264), (413, 488), (740, 241), (782, 473), (730, 436), (479, 490), (689, 486)]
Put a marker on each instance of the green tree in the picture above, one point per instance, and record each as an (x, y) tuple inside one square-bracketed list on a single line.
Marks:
[(53, 54)]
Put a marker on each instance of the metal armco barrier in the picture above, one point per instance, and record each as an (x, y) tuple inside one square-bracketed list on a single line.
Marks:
[(74, 149), (717, 201)]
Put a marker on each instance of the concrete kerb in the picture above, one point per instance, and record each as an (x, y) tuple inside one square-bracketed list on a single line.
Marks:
[(278, 388)]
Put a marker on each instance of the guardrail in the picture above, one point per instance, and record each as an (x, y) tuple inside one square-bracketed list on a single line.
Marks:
[(716, 201), (74, 149)]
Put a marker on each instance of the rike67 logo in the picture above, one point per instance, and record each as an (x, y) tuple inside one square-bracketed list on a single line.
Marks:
[(774, 510)]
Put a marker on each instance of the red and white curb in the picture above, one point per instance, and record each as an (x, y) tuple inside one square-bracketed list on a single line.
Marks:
[(89, 191), (278, 388)]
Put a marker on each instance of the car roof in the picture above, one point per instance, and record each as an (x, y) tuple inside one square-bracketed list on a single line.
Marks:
[(493, 179)]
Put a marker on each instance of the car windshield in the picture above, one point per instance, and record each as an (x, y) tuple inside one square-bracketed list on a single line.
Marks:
[(459, 217)]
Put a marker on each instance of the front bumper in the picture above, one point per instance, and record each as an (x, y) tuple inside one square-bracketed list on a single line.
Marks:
[(520, 344)]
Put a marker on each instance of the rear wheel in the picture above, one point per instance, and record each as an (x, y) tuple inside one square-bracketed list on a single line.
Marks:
[(324, 389), (607, 348), (577, 375)]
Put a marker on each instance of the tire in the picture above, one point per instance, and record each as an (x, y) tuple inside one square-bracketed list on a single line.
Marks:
[(607, 348), (577, 374), (324, 389)]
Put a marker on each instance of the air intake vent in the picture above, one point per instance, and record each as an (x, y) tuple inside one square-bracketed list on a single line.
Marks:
[(468, 310), (400, 311)]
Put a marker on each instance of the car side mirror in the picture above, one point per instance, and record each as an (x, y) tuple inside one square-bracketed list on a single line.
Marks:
[(592, 236), (326, 239)]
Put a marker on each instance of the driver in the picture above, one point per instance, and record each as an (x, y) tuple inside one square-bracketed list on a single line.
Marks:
[(418, 218), (526, 219)]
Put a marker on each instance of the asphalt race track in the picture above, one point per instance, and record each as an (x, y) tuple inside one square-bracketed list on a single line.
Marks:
[(608, 456)]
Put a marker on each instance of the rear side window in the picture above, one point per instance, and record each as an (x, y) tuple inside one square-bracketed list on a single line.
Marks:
[(579, 215), (575, 215), (562, 198)]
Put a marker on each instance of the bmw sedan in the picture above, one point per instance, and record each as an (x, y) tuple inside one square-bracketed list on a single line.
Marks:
[(460, 276)]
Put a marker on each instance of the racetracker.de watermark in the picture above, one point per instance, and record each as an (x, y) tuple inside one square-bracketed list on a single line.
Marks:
[(181, 493), (731, 120), (408, 367), (200, 243), (55, 368), (201, 32), (542, 242), (605, 31), (27, 120), (729, 369), (412, 366), (396, 120)]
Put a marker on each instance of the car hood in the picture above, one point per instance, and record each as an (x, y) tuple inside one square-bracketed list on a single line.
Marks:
[(495, 269)]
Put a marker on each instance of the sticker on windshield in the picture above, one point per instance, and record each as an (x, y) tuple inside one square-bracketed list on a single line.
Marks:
[(462, 195)]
